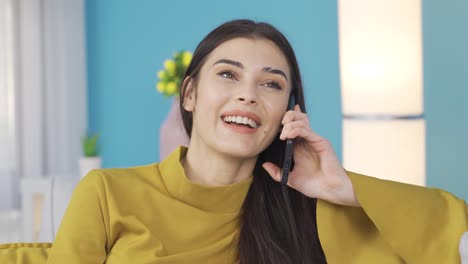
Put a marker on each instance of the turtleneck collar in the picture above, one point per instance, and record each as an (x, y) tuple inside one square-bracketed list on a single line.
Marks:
[(217, 199)]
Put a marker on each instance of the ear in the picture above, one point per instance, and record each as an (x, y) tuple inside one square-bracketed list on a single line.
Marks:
[(190, 95)]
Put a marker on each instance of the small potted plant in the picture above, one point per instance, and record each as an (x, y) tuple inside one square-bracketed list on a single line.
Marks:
[(90, 159)]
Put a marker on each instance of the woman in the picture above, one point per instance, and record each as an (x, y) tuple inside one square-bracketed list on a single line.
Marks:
[(219, 201)]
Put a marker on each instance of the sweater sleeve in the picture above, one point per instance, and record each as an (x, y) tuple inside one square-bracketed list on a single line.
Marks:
[(82, 235), (422, 225)]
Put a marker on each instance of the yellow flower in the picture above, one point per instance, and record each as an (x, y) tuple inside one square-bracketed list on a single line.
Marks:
[(170, 77), (171, 88), (170, 66), (161, 87), (186, 58), (161, 74)]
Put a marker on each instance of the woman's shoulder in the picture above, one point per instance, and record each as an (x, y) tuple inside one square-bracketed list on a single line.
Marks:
[(128, 173), (122, 178)]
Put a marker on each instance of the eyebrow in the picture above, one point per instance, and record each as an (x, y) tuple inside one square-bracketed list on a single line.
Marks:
[(231, 62), (275, 71), (241, 66)]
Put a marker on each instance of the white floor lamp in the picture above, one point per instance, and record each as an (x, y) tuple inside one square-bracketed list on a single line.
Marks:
[(382, 88)]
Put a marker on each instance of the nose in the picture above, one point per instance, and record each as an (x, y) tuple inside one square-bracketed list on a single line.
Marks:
[(247, 95)]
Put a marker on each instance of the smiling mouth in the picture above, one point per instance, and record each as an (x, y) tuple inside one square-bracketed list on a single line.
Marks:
[(241, 121)]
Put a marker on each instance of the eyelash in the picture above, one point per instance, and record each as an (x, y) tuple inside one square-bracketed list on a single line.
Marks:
[(232, 75), (274, 85)]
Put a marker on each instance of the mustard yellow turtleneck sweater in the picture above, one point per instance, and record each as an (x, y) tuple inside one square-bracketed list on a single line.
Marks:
[(154, 214), (149, 214)]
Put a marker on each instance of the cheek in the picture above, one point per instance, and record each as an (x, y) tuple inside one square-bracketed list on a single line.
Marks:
[(277, 110), (276, 114), (213, 99), (274, 126), (209, 104), (209, 90)]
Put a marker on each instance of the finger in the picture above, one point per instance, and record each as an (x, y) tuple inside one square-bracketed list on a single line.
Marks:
[(292, 125), (273, 170), (297, 108), (291, 115), (288, 117), (302, 132)]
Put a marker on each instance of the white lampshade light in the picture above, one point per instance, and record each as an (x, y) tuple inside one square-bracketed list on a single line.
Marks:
[(382, 88)]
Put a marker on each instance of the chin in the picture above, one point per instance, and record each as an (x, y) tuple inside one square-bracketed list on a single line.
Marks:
[(239, 150)]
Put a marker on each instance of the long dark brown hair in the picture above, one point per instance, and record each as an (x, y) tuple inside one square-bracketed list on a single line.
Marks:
[(278, 223)]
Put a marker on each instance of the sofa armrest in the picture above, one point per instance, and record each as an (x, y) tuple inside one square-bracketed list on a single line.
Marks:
[(464, 248), (24, 253)]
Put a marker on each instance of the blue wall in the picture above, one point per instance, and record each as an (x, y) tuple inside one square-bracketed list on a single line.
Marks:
[(127, 42), (445, 32)]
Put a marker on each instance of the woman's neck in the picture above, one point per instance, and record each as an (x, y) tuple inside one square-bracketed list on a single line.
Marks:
[(204, 165)]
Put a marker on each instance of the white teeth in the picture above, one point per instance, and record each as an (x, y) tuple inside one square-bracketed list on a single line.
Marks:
[(241, 120)]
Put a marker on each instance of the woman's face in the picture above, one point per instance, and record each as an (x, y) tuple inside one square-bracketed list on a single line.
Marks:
[(240, 97)]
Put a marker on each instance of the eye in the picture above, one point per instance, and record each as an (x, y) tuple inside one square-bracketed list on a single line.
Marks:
[(273, 84), (227, 74)]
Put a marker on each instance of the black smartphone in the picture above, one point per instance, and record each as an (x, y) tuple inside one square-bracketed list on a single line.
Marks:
[(288, 155)]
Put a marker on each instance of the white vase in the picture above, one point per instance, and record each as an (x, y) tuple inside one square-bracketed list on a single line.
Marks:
[(172, 133), (86, 164)]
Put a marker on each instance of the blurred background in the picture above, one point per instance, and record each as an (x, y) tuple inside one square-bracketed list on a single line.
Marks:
[(72, 68)]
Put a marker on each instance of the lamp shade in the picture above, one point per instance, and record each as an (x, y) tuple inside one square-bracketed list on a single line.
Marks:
[(392, 150), (381, 57)]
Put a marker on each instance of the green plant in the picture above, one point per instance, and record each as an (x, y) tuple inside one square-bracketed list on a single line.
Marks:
[(90, 148), (170, 77)]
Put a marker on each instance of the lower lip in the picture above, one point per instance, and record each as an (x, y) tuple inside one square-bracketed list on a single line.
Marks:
[(240, 128)]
